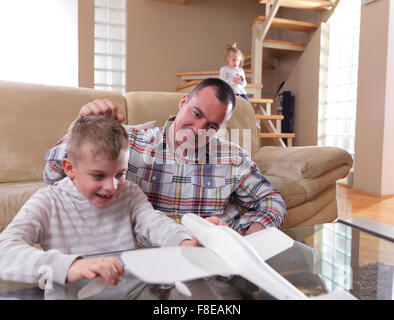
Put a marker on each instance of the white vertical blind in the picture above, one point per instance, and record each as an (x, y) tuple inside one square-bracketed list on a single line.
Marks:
[(109, 45), (337, 122)]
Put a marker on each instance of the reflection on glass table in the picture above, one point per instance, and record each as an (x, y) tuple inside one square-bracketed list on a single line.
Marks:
[(323, 258), (353, 260)]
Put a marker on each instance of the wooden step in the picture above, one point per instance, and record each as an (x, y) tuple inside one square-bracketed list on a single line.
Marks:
[(278, 138), (316, 5), (283, 46), (266, 64), (277, 135), (269, 117), (254, 85), (204, 73), (287, 24), (261, 101), (187, 84), (195, 82)]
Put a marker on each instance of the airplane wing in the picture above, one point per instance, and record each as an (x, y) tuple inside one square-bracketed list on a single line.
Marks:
[(269, 242), (173, 264), (225, 252)]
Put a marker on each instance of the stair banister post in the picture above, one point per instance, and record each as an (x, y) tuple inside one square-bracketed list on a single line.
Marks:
[(271, 8), (259, 31), (257, 55)]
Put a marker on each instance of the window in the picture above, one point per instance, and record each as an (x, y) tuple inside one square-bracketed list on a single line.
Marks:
[(337, 114), (109, 45), (39, 41), (336, 248)]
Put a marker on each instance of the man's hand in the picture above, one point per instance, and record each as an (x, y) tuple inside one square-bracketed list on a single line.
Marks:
[(254, 227), (191, 243), (110, 268), (102, 107), (194, 242), (216, 220)]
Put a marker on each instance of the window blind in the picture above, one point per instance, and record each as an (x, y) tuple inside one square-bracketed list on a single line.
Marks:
[(337, 121), (109, 45)]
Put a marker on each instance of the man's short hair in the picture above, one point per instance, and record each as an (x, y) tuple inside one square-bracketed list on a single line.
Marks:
[(224, 93), (102, 135)]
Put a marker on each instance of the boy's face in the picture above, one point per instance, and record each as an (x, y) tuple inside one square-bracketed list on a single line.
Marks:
[(98, 179)]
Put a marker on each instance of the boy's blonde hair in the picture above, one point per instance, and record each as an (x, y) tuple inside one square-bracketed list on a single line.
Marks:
[(232, 48), (103, 136)]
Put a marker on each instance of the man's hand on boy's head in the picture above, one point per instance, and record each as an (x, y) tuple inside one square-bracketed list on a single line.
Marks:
[(102, 107), (110, 268)]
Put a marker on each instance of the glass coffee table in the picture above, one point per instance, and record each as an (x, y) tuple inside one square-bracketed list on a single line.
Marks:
[(356, 255)]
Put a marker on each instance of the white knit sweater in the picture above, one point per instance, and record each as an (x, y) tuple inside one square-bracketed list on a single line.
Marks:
[(67, 226), (228, 73)]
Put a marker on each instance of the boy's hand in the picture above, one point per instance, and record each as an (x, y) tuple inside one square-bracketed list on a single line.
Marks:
[(110, 268), (102, 107)]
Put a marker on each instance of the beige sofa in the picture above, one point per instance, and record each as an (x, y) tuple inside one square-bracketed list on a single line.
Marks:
[(34, 117)]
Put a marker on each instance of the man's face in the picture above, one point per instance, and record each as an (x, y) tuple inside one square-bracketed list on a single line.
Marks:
[(99, 179), (199, 118)]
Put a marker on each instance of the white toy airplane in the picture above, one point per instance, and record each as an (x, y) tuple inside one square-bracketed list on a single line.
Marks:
[(225, 252)]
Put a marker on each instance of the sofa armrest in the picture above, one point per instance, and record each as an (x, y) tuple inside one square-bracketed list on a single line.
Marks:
[(301, 162)]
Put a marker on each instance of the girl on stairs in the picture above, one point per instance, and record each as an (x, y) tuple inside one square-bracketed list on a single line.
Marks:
[(232, 73)]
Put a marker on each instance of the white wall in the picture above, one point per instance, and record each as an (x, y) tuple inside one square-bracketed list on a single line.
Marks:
[(388, 138), (374, 152), (303, 82), (39, 41), (164, 38)]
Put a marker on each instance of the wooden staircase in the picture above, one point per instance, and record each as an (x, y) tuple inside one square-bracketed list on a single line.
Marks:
[(260, 27), (316, 5), (255, 64)]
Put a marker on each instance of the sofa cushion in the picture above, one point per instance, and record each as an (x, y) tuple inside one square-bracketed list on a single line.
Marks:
[(327, 214), (301, 162), (242, 124), (292, 192), (306, 211), (145, 106), (314, 186), (33, 118), (296, 192), (12, 198)]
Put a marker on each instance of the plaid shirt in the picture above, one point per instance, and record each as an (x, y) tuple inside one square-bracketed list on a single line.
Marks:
[(220, 180)]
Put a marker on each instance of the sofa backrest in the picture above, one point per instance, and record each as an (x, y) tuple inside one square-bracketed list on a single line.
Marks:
[(146, 106), (33, 118)]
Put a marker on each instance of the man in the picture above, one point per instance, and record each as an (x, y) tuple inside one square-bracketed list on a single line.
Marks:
[(182, 168)]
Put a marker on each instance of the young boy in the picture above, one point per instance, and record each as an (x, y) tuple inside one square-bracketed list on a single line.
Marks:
[(93, 210)]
